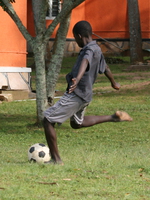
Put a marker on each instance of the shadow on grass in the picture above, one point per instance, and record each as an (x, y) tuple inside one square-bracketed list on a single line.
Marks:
[(13, 123)]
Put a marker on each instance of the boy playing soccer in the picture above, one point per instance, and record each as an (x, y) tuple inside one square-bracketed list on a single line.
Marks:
[(78, 95)]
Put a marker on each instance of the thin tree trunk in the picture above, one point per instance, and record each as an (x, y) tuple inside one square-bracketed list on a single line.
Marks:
[(41, 95), (39, 50), (136, 54), (56, 60), (68, 6)]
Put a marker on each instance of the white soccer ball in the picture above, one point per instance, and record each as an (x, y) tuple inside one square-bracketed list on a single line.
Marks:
[(39, 153)]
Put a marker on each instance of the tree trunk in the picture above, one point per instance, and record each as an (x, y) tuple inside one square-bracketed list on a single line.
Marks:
[(56, 60), (136, 54), (38, 44), (41, 95)]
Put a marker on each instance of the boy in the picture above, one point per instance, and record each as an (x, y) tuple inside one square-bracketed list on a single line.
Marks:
[(73, 103)]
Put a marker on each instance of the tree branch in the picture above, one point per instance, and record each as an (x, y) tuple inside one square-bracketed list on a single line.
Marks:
[(39, 11), (66, 9), (11, 12), (54, 65)]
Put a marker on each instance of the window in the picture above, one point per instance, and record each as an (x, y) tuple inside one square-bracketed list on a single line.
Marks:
[(54, 9)]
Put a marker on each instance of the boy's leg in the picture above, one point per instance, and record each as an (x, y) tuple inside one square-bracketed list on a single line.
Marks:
[(51, 139), (88, 121), (58, 113)]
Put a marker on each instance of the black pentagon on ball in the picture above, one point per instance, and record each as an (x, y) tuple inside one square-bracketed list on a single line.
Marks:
[(42, 154), (31, 149), (42, 145), (32, 160)]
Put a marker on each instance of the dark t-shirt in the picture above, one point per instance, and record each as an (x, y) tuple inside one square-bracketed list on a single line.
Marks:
[(97, 64)]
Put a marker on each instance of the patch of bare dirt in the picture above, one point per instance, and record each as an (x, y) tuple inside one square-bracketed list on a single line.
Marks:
[(143, 76), (144, 67), (136, 85)]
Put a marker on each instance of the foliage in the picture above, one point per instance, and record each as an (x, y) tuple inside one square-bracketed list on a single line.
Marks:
[(107, 161)]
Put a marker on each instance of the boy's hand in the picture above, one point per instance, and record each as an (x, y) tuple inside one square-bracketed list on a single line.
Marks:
[(116, 86), (74, 85)]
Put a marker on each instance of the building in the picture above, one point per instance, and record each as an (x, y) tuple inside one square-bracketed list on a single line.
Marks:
[(14, 76), (109, 20)]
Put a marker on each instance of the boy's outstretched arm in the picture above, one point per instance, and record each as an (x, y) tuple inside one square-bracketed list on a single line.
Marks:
[(109, 75), (75, 81)]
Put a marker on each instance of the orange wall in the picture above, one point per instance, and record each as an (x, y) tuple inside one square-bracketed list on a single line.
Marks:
[(144, 7), (12, 43), (108, 18), (30, 21), (77, 14)]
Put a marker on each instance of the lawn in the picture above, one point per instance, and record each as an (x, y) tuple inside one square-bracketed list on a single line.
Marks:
[(109, 161)]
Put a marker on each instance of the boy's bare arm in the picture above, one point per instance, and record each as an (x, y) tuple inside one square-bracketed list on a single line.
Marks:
[(109, 75), (75, 81)]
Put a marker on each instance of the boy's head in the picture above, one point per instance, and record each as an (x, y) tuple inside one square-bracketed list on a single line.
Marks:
[(82, 29)]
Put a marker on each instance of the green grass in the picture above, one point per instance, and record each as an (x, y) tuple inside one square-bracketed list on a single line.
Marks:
[(109, 161)]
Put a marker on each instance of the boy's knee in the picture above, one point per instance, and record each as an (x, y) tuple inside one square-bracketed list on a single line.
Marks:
[(74, 125), (46, 122)]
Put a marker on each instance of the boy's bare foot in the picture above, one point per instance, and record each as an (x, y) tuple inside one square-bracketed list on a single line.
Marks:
[(121, 116)]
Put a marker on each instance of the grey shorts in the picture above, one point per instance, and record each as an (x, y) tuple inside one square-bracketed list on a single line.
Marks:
[(69, 106)]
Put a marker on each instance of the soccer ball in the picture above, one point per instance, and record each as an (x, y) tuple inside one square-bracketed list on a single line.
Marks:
[(39, 153)]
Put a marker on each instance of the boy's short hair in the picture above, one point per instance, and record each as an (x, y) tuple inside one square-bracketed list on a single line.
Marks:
[(83, 28)]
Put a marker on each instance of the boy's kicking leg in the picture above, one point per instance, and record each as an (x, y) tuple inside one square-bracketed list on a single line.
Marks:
[(88, 121)]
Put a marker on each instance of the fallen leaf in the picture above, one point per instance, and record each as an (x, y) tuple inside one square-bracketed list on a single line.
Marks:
[(141, 169), (105, 172)]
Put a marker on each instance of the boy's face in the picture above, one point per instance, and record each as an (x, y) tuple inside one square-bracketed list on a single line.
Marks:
[(78, 40)]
